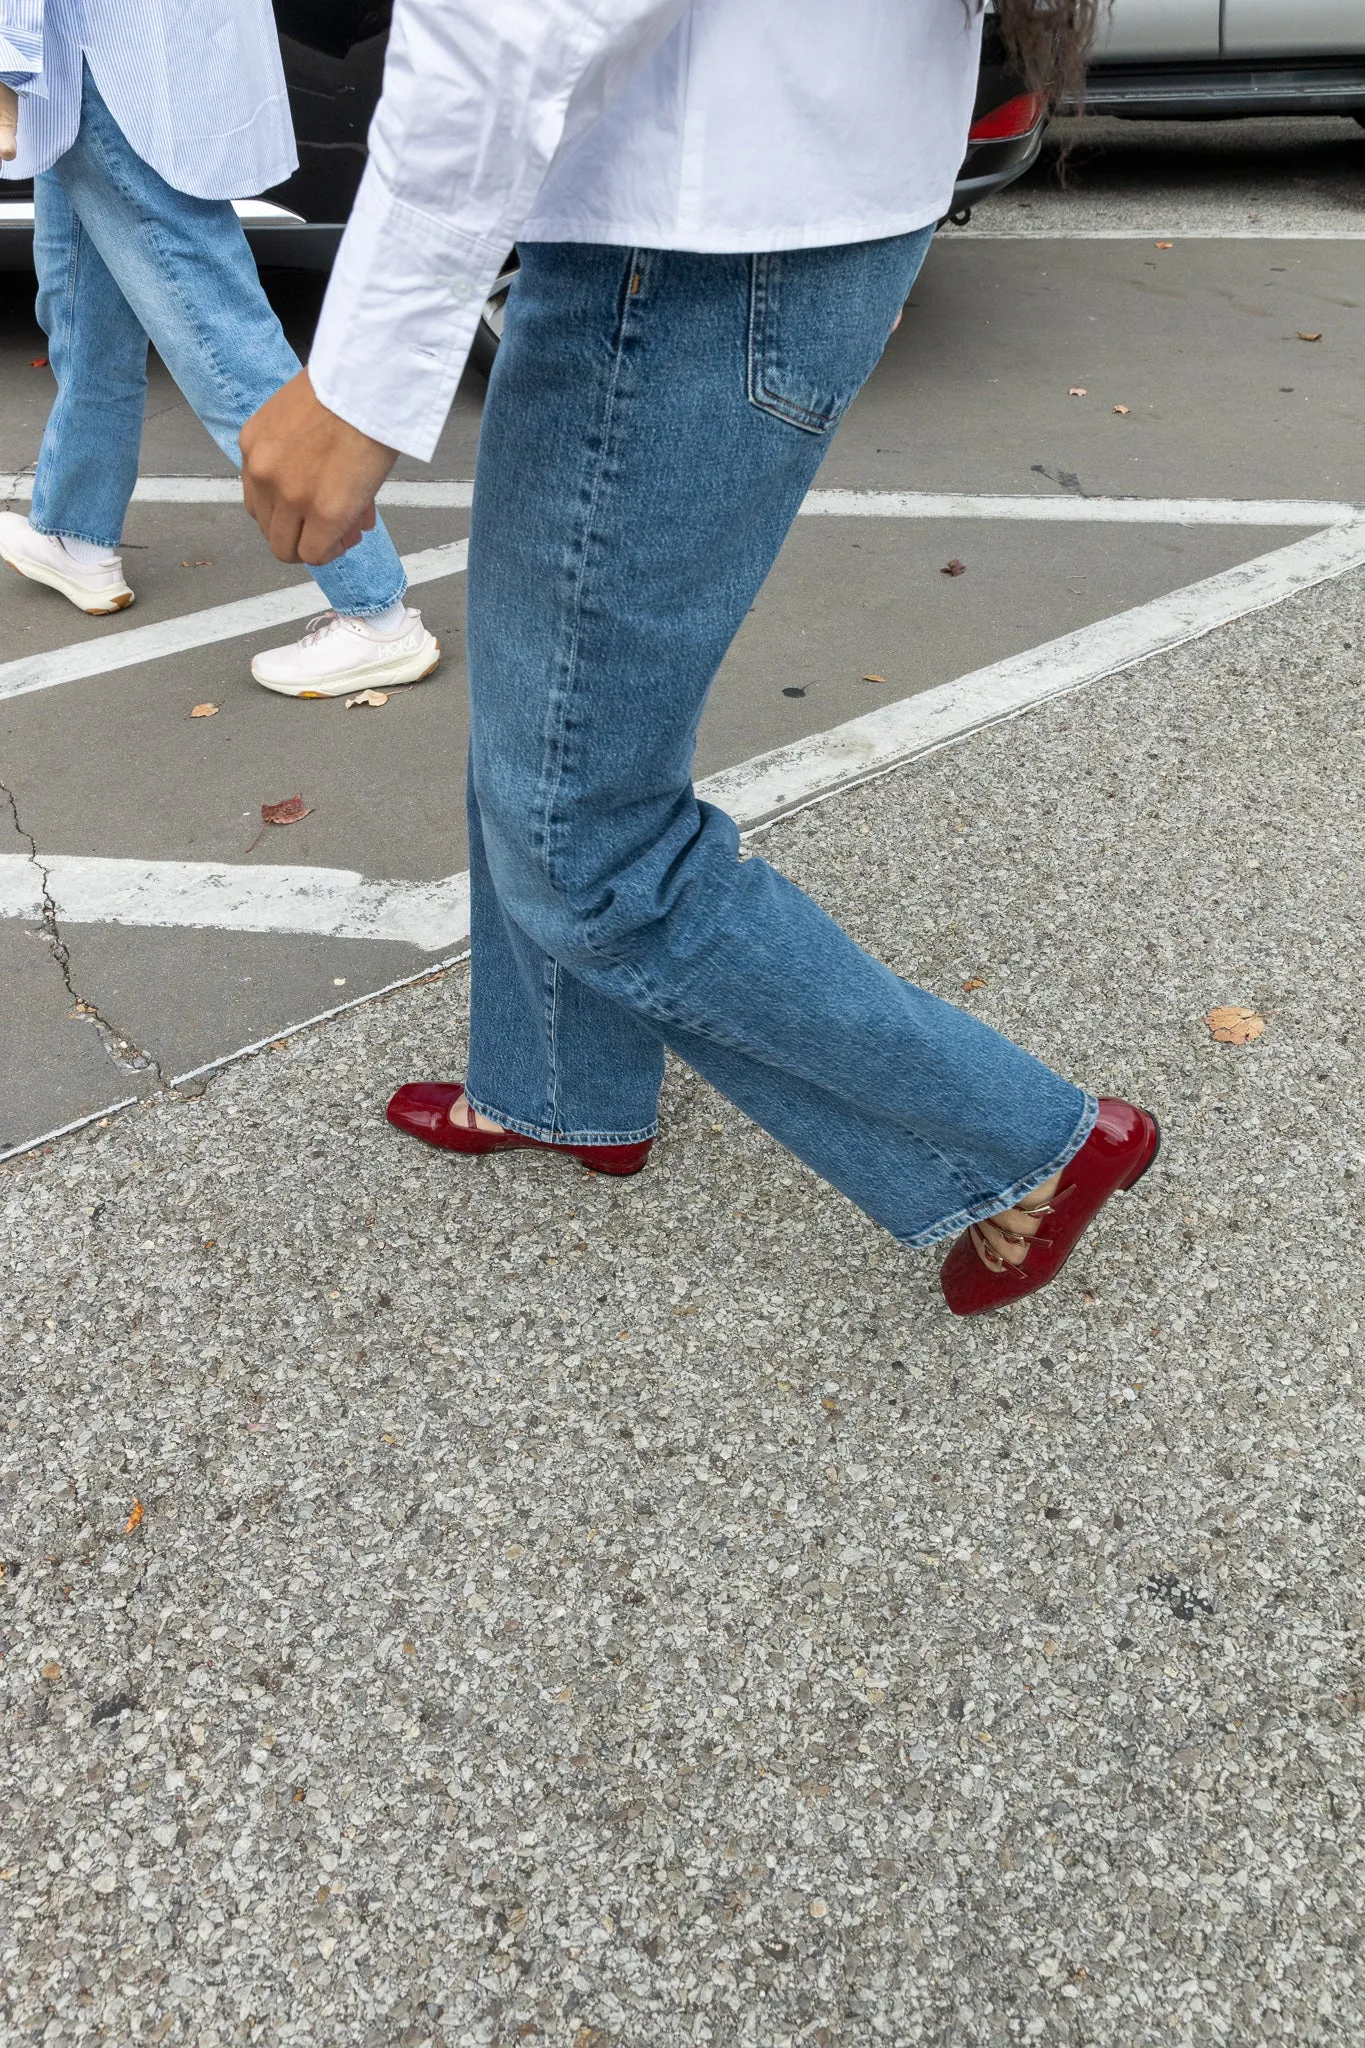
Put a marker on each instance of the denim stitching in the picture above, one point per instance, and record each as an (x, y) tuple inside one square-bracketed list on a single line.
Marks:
[(548, 1135), (994, 1205), (70, 288), (551, 1039), (95, 540), (559, 738), (760, 392)]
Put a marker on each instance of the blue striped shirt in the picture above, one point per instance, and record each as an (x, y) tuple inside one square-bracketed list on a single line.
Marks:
[(198, 90)]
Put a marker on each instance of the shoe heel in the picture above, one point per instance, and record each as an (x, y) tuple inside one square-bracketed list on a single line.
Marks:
[(617, 1161), (1150, 1157)]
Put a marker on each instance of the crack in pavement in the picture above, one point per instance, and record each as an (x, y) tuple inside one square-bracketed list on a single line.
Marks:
[(127, 1056)]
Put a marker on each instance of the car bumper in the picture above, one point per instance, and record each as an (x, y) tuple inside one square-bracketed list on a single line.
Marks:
[(1211, 92), (990, 166), (277, 236)]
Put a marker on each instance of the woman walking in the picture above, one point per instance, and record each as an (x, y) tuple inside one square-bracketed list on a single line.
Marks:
[(720, 209), (138, 129)]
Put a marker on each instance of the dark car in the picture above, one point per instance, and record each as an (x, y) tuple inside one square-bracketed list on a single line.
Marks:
[(334, 63)]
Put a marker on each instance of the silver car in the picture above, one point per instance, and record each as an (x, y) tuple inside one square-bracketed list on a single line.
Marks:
[(1202, 59)]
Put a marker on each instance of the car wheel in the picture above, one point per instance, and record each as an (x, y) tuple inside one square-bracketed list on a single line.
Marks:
[(488, 333)]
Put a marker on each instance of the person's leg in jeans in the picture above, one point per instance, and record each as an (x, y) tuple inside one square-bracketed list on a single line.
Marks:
[(184, 272), (653, 422), (87, 464), (97, 348)]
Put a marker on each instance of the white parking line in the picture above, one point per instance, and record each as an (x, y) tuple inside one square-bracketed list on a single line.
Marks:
[(455, 494), (1080, 510), (756, 792), (335, 902), (216, 896), (788, 779), (129, 647), (227, 490)]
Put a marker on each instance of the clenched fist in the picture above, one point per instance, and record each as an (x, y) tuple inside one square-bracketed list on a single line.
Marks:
[(309, 478)]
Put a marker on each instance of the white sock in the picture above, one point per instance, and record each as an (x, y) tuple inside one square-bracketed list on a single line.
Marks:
[(88, 554), (386, 623)]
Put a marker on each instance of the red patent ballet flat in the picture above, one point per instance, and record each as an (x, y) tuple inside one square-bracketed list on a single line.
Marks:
[(423, 1108), (1115, 1156)]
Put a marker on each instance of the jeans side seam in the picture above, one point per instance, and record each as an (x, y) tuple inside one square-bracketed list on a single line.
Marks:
[(552, 1041), (559, 744), (64, 349)]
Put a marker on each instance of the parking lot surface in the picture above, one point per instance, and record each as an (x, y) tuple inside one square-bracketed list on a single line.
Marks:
[(1220, 177), (635, 1612), (456, 1603), (1196, 386)]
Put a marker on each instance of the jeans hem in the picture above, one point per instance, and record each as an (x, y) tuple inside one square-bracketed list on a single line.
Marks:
[(993, 1205), (367, 611), (94, 540), (544, 1134)]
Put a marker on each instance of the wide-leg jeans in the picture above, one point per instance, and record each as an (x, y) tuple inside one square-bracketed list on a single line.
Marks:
[(122, 256), (653, 422)]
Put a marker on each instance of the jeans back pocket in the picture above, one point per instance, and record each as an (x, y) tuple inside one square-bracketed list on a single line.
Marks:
[(819, 320)]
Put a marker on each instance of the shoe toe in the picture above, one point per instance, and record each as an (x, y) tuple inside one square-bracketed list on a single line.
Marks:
[(423, 1107)]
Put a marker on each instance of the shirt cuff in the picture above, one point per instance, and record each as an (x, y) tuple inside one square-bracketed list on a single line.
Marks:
[(404, 303), (21, 60)]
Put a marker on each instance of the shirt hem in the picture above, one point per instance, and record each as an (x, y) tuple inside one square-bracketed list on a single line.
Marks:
[(628, 234)]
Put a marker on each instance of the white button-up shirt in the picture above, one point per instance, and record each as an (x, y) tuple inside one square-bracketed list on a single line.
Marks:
[(198, 90), (723, 125)]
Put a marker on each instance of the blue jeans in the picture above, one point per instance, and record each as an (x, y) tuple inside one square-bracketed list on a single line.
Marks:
[(654, 420), (122, 256)]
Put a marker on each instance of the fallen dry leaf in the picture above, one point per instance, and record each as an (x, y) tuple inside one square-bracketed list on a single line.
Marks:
[(51, 1671), (1078, 391), (1165, 245), (200, 562), (287, 813), (134, 1518), (874, 679), (830, 1405), (1123, 408), (1233, 1026), (375, 697), (1309, 337), (204, 711), (953, 568), (977, 981)]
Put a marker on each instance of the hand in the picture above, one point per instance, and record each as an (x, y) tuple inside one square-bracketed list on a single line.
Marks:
[(308, 477), (9, 124)]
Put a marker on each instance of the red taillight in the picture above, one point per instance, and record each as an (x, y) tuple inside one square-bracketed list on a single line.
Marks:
[(1015, 118)]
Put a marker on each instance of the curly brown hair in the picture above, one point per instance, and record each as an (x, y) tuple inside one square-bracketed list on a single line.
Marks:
[(1050, 41)]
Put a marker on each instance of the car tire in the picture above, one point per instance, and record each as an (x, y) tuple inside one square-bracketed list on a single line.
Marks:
[(488, 333)]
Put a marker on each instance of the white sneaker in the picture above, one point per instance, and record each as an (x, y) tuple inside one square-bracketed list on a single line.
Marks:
[(337, 655), (97, 587)]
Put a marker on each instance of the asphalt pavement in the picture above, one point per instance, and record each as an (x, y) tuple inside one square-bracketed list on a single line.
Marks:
[(1196, 385), (470, 1602), (462, 1603)]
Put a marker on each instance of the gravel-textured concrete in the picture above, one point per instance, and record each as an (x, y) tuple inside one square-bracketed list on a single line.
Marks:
[(1284, 177), (636, 1613)]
